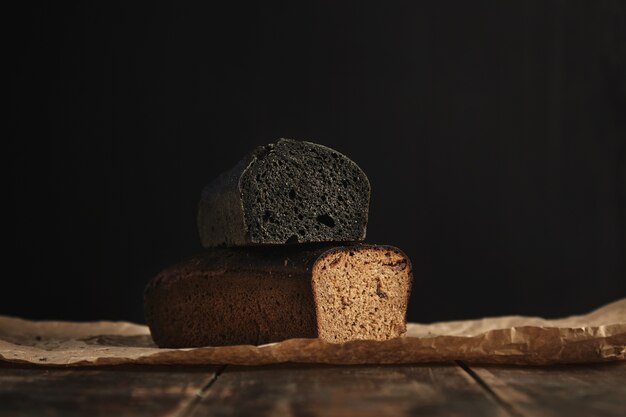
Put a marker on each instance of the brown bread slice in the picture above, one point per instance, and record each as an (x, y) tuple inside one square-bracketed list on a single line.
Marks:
[(263, 295)]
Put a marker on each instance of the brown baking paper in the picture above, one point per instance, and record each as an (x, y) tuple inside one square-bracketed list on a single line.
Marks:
[(599, 336)]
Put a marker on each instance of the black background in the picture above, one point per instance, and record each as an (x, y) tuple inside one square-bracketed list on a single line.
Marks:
[(493, 134)]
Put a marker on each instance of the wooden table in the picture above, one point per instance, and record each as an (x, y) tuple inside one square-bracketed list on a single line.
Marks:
[(305, 390)]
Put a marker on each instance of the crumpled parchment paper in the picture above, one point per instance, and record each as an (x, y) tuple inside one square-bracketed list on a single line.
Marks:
[(599, 336)]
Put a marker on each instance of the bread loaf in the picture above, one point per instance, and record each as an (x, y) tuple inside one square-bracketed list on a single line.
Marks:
[(259, 295), (286, 192)]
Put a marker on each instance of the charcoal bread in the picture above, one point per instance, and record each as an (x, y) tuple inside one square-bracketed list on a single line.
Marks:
[(286, 192), (258, 295)]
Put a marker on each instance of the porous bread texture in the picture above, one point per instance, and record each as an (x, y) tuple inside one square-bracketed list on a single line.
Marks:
[(262, 295), (286, 192), (361, 293)]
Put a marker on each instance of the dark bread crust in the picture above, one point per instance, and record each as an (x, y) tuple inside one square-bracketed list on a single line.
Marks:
[(286, 192), (253, 295), (233, 296)]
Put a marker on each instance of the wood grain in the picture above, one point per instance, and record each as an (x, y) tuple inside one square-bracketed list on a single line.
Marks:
[(346, 391), (575, 390), (111, 392), (308, 390)]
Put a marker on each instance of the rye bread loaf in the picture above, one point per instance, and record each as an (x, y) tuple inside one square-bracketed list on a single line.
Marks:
[(286, 192), (260, 295)]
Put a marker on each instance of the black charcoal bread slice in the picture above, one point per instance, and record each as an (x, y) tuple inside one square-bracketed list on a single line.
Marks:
[(286, 192), (258, 295)]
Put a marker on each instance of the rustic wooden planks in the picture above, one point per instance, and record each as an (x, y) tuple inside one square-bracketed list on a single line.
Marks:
[(576, 390), (110, 392), (308, 390), (345, 391)]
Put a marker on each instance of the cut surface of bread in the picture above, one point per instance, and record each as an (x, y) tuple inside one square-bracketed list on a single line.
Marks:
[(286, 192), (361, 293)]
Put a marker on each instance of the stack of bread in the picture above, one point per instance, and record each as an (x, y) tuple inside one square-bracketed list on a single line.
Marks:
[(283, 259)]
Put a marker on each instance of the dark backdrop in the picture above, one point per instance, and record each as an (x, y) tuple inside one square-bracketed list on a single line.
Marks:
[(493, 134)]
